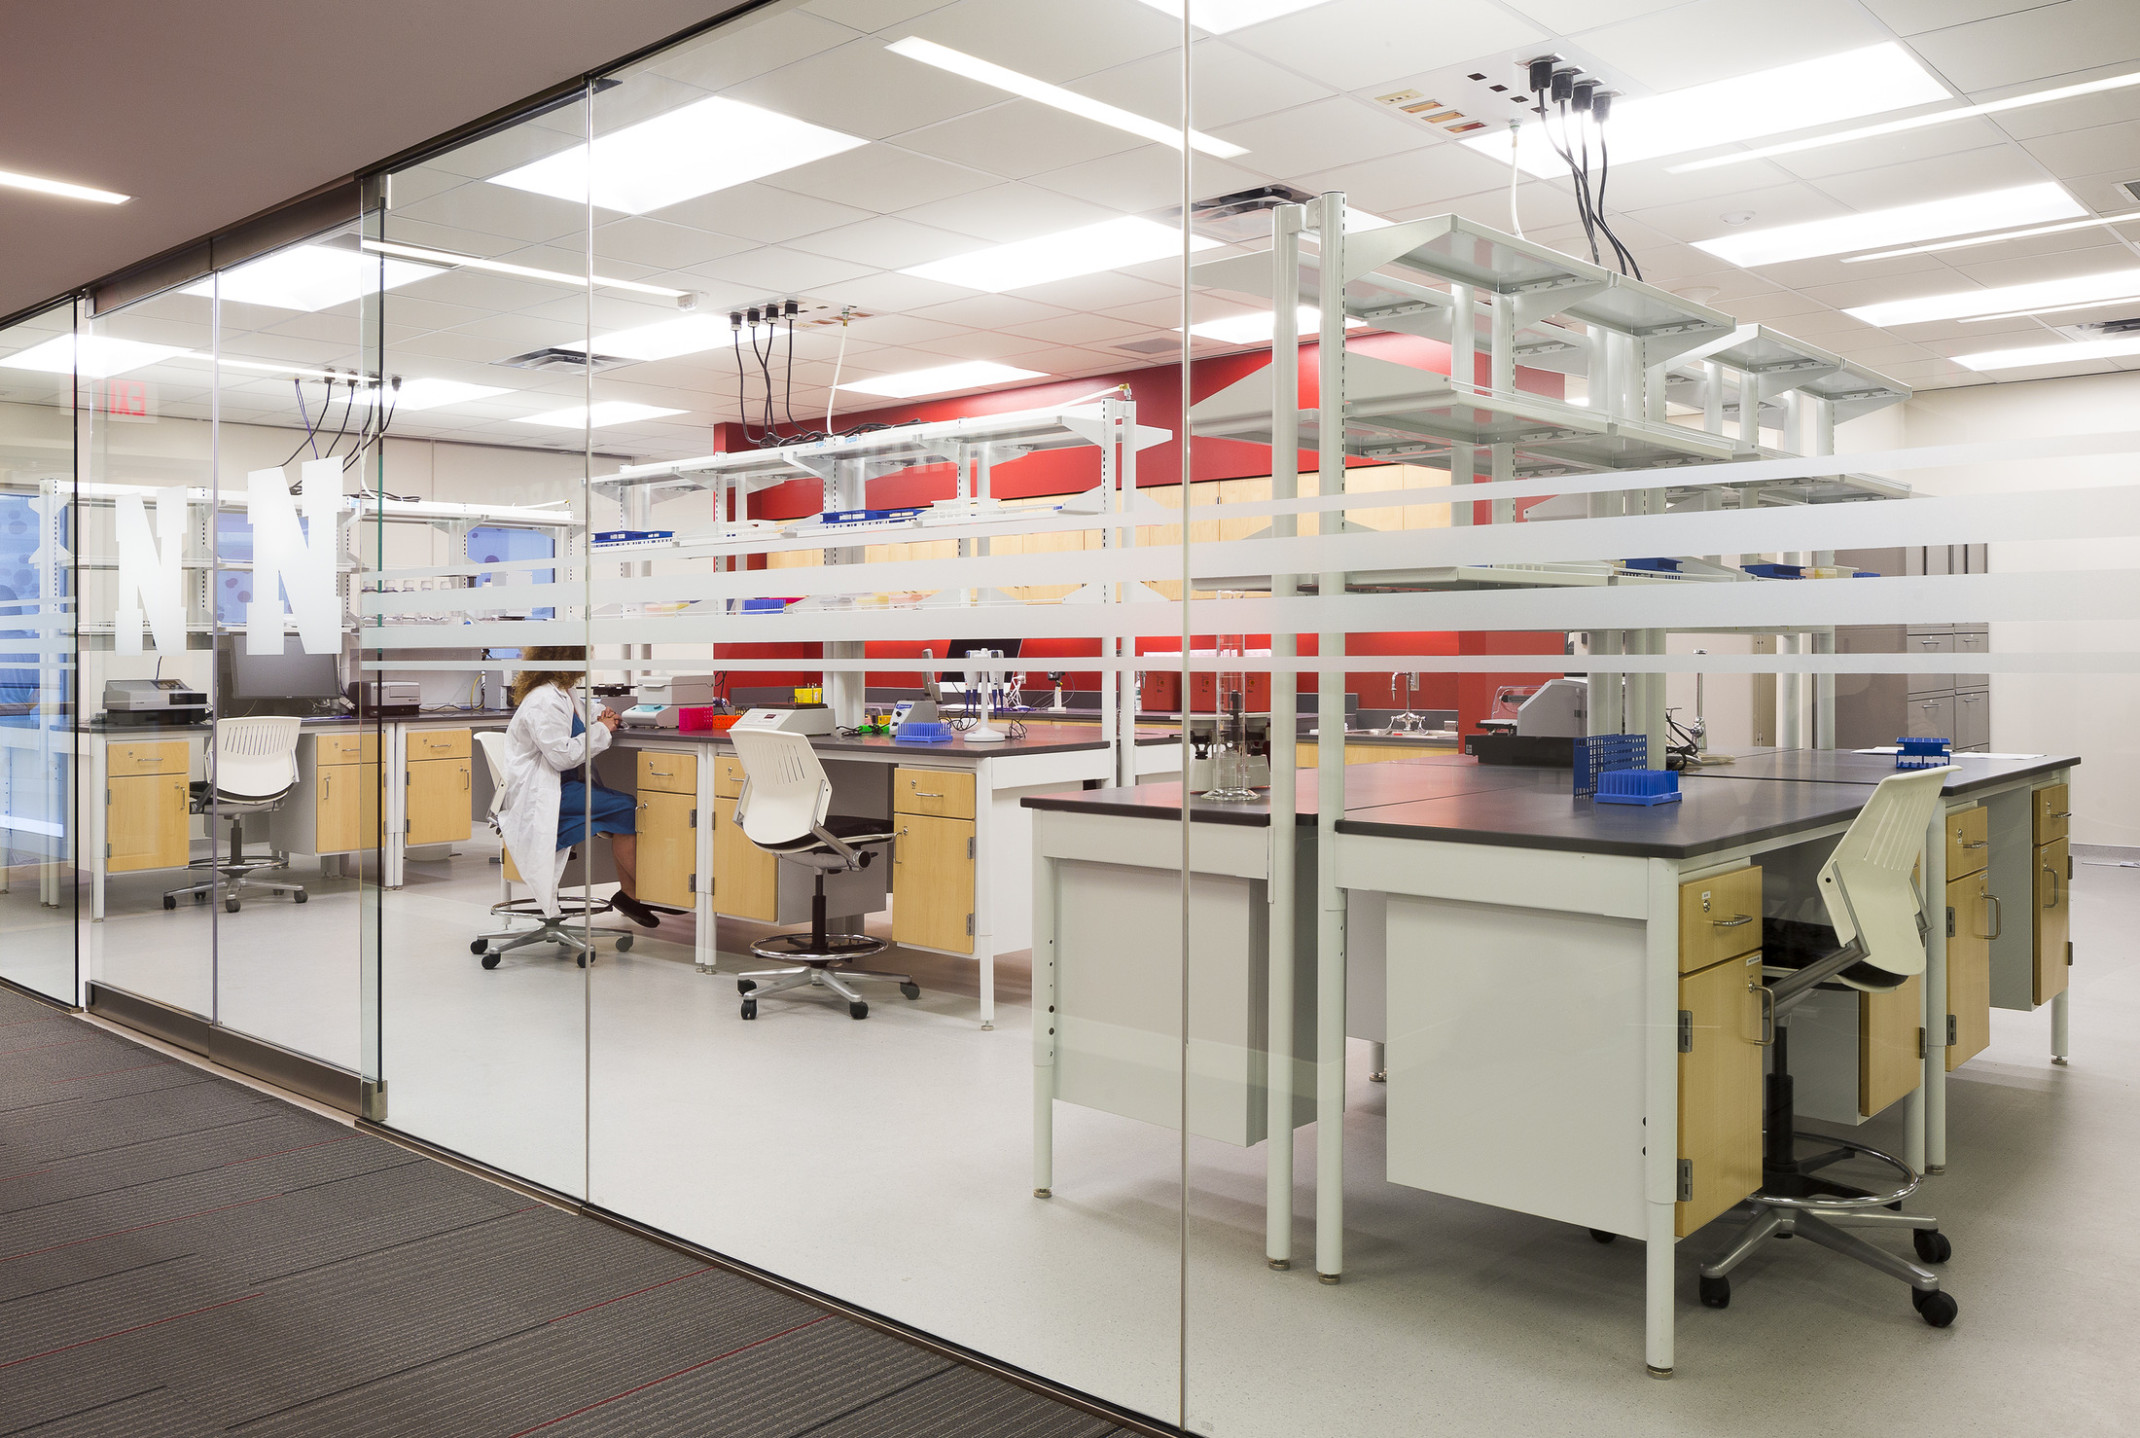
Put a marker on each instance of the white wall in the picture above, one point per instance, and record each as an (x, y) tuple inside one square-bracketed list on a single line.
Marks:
[(2093, 715)]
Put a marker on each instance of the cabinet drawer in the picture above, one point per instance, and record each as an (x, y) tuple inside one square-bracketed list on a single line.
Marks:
[(946, 793), (727, 777), (345, 749), (1968, 842), (438, 744), (2051, 811), (1930, 644), (125, 760), (1972, 719), (2054, 920), (1719, 918), (667, 773), (1930, 718)]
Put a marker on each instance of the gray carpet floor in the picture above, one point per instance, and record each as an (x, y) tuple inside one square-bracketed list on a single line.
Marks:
[(181, 1255)]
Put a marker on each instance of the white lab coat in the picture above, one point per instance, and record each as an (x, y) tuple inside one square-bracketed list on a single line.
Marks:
[(539, 748)]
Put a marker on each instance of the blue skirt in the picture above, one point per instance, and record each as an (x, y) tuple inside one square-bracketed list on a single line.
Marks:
[(612, 811)]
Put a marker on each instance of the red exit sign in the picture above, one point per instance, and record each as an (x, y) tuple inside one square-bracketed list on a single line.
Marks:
[(126, 399)]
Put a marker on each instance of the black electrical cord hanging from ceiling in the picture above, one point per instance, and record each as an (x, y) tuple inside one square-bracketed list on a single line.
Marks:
[(1561, 148), (1627, 255), (348, 409), (789, 403), (304, 414), (742, 404)]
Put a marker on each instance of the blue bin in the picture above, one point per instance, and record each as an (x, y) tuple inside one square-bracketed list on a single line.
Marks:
[(1639, 786), (921, 731)]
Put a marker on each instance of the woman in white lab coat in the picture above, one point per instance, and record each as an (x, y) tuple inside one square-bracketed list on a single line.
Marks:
[(552, 800)]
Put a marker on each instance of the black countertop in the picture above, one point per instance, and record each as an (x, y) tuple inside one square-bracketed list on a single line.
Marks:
[(1714, 815), (1367, 786), (1845, 766), (1039, 739)]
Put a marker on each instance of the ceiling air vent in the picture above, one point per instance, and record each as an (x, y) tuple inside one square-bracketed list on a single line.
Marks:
[(1153, 346), (558, 358), (2101, 329), (2132, 188)]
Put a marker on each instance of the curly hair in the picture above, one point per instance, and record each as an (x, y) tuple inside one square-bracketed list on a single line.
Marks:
[(527, 681)]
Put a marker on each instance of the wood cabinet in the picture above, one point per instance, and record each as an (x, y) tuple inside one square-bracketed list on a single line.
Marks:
[(668, 773), (932, 882), (1719, 918), (2049, 810), (945, 793), (746, 879), (1890, 1035), (145, 820), (668, 846), (440, 796), (1719, 1087), (2054, 922), (1970, 928), (1968, 841), (346, 808)]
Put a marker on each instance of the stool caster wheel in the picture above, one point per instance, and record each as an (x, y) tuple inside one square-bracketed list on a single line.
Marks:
[(230, 906), (744, 986), (1937, 1309), (479, 947), (912, 991), (1715, 1292), (1931, 1245), (490, 961), (858, 1011), (300, 896), (581, 960), (624, 943), (170, 901), (1599, 1235), (750, 1008), (200, 898)]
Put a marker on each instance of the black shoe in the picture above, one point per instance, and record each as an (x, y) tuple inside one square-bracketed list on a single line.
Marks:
[(637, 912)]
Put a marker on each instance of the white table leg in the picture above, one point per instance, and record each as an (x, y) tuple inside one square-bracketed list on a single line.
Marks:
[(2059, 1050), (1660, 1120), (1935, 989), (1044, 1019), (1657, 1280), (1913, 1128)]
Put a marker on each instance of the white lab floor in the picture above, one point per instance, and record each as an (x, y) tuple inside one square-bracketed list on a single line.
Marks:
[(888, 1162)]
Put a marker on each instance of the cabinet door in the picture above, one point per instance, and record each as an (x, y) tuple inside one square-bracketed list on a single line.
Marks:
[(1890, 1063), (2054, 923), (1720, 1088), (346, 810), (1719, 917), (440, 801), (932, 883), (746, 879), (145, 823), (1968, 968), (668, 845)]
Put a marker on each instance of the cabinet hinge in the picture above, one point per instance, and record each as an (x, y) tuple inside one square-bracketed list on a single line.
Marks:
[(969, 926), (2069, 868), (969, 847), (1686, 1031), (107, 798), (1686, 1180), (1920, 1043), (694, 817), (2069, 953), (691, 884), (1950, 921), (107, 854), (1952, 1039)]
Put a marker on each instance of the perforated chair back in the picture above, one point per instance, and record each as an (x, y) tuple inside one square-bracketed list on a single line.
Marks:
[(1866, 883), (256, 758), (785, 792)]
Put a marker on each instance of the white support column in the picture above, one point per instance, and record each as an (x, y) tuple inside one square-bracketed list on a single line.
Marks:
[(1044, 1038), (1463, 370), (1820, 439), (1749, 392), (1790, 708), (1660, 1102), (1503, 363), (1712, 397), (1330, 766), (1934, 865), (1285, 745)]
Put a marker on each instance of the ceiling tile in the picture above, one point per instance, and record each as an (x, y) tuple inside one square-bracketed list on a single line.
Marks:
[(1145, 179), (737, 52), (1352, 44), (1937, 178), (659, 245), (498, 210), (1912, 17), (888, 293), (762, 212), (1787, 204), (2039, 43), (886, 242), (864, 89), (1421, 174), (780, 272), (1573, 17), (984, 344), (1022, 137), (991, 312), (2090, 151), (880, 178), (2084, 112), (1230, 84), (1056, 42), (1317, 136), (1003, 213), (1083, 329), (2089, 260), (1883, 151), (1099, 292), (1709, 40), (872, 14)]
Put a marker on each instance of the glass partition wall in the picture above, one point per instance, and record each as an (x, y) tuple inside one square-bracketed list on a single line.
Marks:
[(38, 771)]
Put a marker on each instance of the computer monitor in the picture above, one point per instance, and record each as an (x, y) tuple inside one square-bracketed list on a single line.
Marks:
[(965, 648), (266, 683)]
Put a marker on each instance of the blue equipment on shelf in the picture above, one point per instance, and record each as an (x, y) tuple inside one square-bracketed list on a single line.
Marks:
[(1638, 786), (631, 536), (1926, 753), (1658, 565), (1775, 571), (1597, 754), (870, 516)]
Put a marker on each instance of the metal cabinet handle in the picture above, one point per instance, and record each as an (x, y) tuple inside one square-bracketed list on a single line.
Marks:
[(2059, 814), (2055, 891), (1997, 911), (1979, 844), (1768, 1014), (1731, 923), (326, 786), (464, 779), (925, 794)]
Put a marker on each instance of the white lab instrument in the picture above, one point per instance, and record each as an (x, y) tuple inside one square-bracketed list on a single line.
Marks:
[(662, 697), (815, 719), (1558, 710)]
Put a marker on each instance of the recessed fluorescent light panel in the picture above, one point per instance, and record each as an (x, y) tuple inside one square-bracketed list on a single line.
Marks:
[(1256, 328), (1914, 122), (96, 356), (664, 339), (2069, 293), (940, 380), (431, 393), (1086, 250), (14, 181), (500, 267), (958, 62), (608, 412), (310, 277), (2037, 355), (1216, 17), (695, 150), (1790, 97), (1960, 215)]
